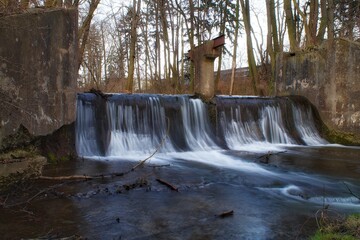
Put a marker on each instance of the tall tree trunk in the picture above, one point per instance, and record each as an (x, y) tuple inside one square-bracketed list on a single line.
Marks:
[(308, 34), (84, 30), (250, 52), (237, 25), (190, 33), (313, 21), (104, 53), (147, 51), (192, 44), (182, 57), (323, 21), (223, 11), (138, 75), (133, 40), (330, 25), (291, 25), (272, 39)]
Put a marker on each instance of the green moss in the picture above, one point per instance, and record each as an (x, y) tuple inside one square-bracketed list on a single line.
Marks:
[(331, 236), (344, 138), (54, 159)]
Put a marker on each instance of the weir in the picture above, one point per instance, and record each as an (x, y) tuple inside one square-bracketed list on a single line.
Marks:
[(121, 124)]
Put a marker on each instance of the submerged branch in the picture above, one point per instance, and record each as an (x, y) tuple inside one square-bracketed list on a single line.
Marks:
[(172, 187), (351, 192)]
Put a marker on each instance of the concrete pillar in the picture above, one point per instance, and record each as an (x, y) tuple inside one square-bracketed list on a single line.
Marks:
[(203, 57)]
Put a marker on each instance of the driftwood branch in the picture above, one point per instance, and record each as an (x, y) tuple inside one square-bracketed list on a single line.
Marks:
[(169, 185), (226, 214), (71, 177)]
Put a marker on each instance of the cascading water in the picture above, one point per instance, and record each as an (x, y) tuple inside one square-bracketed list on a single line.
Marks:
[(140, 124), (304, 123), (253, 153), (197, 132), (253, 120), (86, 138), (136, 129)]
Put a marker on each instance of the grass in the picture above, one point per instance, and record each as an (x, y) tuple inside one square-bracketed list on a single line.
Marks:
[(344, 229)]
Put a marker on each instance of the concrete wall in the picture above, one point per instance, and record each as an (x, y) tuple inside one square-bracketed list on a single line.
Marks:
[(330, 78), (38, 71)]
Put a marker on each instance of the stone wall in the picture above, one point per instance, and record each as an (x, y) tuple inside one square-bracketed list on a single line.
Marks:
[(38, 71), (329, 78)]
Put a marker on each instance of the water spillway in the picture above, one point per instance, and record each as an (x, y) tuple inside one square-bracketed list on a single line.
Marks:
[(254, 156), (122, 124)]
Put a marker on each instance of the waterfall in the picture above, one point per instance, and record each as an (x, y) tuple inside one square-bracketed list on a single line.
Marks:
[(138, 124), (304, 122), (254, 120), (141, 124), (137, 129), (86, 139), (197, 132)]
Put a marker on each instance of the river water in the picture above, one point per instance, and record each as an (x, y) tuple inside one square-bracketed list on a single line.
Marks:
[(271, 170)]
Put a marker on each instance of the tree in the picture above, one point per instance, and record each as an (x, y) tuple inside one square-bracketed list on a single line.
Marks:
[(237, 26), (133, 40), (291, 25), (85, 28), (273, 46), (251, 58)]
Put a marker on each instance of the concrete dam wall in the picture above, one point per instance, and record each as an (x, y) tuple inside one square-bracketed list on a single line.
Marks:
[(330, 78), (38, 71)]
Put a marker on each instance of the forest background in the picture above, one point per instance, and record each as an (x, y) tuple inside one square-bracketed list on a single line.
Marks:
[(142, 45)]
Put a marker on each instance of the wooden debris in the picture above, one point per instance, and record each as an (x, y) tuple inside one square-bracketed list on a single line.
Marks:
[(71, 177), (172, 187), (226, 214)]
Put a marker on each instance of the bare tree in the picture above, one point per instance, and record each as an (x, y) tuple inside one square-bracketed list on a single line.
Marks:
[(245, 6), (133, 39), (237, 26)]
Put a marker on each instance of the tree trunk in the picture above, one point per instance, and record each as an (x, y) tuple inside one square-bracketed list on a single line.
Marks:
[(291, 25), (133, 40), (272, 40), (233, 67), (85, 28), (313, 21), (308, 34), (330, 26), (251, 58), (192, 45), (104, 53), (222, 31)]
